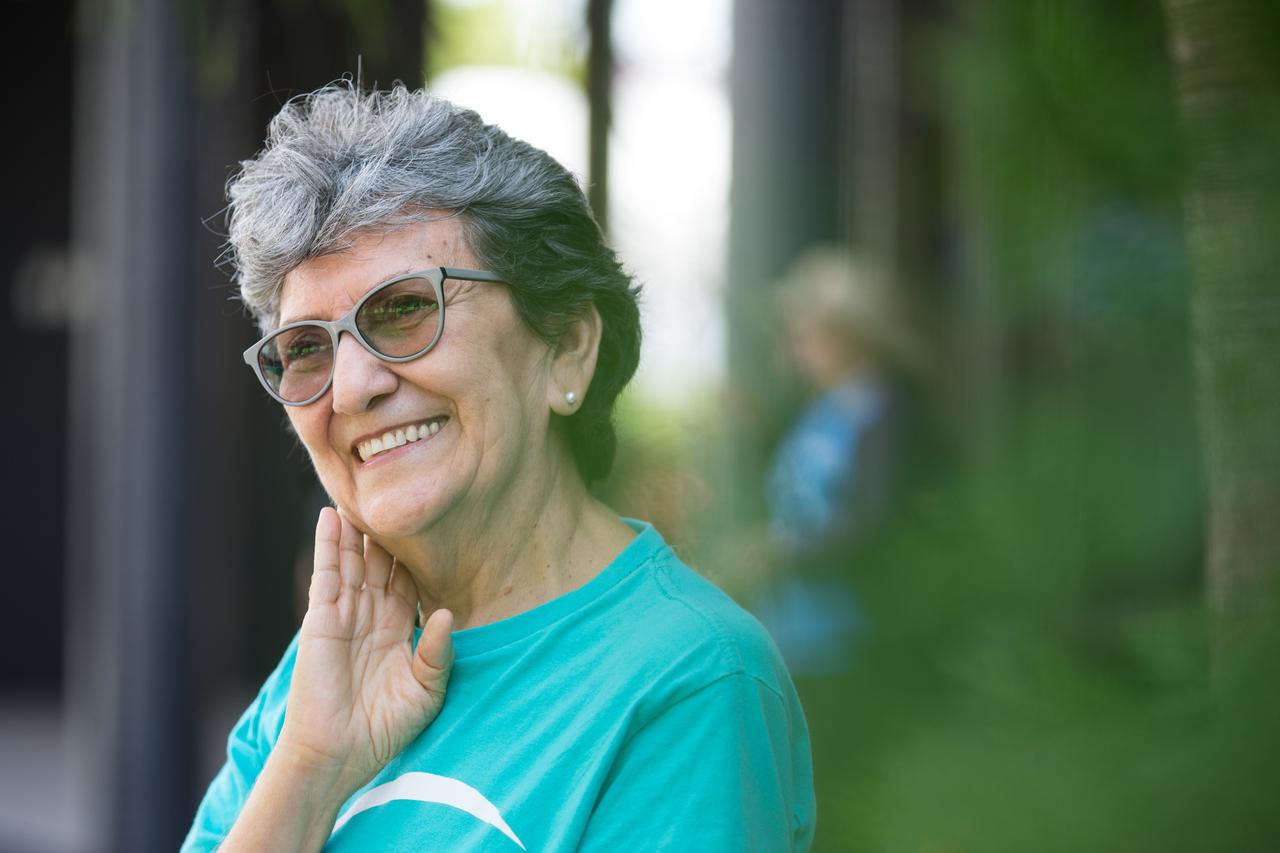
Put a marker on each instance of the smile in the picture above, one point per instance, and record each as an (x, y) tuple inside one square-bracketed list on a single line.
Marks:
[(398, 438)]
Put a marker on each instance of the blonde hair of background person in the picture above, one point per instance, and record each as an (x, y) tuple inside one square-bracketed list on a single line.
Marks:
[(839, 301), (448, 332)]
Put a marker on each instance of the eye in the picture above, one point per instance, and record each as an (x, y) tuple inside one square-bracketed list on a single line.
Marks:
[(402, 305), (303, 349), (300, 350), (398, 308)]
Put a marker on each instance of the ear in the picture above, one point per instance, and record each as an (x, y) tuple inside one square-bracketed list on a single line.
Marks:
[(574, 362)]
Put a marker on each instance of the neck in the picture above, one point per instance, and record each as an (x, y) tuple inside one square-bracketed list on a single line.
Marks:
[(852, 370), (493, 562)]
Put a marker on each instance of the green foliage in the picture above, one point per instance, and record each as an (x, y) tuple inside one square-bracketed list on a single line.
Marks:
[(1054, 105), (1028, 660), (484, 32), (661, 472), (1036, 675)]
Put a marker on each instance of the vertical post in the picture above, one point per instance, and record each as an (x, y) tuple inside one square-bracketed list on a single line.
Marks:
[(869, 102), (128, 671), (1227, 91), (600, 103), (785, 189)]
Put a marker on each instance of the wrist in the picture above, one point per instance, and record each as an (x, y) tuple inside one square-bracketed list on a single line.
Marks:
[(323, 777), (293, 804)]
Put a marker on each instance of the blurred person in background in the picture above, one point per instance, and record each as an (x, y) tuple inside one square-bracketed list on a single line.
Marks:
[(828, 479), (490, 658)]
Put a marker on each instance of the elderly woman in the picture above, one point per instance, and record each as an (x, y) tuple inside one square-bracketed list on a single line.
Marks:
[(448, 333)]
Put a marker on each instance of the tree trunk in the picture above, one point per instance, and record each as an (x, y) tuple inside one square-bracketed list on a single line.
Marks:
[(1228, 97)]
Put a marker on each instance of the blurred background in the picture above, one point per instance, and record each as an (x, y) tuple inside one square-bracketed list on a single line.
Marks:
[(962, 346)]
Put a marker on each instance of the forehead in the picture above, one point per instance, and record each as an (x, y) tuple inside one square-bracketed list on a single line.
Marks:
[(331, 284)]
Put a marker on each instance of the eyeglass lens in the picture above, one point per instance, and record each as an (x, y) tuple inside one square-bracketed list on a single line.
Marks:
[(398, 321)]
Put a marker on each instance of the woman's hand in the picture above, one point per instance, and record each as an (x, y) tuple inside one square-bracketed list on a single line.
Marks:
[(360, 693)]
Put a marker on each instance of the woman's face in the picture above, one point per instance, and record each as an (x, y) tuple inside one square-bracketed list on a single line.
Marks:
[(485, 383)]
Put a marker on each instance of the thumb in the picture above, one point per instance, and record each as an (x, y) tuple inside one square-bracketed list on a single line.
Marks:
[(433, 659)]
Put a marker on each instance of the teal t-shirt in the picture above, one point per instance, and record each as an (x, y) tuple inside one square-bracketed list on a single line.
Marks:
[(643, 711)]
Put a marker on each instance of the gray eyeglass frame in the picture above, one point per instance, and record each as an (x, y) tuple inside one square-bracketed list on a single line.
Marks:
[(347, 323)]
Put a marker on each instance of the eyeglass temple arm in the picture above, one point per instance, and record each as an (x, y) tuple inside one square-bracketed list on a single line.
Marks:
[(471, 275)]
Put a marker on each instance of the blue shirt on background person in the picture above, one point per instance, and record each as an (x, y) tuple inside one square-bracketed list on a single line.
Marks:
[(812, 495)]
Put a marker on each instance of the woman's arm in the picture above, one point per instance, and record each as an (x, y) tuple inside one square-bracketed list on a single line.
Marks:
[(359, 692), (292, 807)]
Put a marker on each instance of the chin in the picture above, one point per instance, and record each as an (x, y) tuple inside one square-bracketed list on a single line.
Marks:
[(393, 516)]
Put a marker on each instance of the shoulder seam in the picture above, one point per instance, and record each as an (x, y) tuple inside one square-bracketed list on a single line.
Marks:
[(769, 688), (728, 650)]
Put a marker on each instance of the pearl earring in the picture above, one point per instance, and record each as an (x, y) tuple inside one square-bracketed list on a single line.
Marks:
[(570, 397)]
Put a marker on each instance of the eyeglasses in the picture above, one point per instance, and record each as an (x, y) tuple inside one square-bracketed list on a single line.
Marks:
[(399, 320)]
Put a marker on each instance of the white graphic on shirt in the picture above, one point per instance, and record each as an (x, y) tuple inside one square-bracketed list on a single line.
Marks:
[(430, 788)]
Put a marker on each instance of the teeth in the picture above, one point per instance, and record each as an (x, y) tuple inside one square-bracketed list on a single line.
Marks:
[(392, 440)]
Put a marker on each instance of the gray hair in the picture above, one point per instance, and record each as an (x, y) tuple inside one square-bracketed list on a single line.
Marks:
[(338, 162)]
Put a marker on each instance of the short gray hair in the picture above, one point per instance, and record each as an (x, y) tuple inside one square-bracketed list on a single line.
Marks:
[(339, 161)]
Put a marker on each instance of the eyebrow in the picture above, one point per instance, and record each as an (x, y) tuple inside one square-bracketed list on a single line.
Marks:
[(283, 322)]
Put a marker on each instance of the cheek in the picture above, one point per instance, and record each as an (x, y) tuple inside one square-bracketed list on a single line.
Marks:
[(503, 368), (527, 378), (525, 358), (310, 428)]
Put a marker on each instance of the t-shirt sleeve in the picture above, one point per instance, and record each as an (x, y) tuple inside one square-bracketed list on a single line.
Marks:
[(725, 768), (248, 746)]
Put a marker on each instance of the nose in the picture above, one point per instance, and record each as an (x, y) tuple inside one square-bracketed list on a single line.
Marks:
[(360, 378)]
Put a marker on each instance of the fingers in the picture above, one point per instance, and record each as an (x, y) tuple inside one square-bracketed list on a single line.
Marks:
[(433, 659), (351, 556), (326, 580), (377, 565)]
